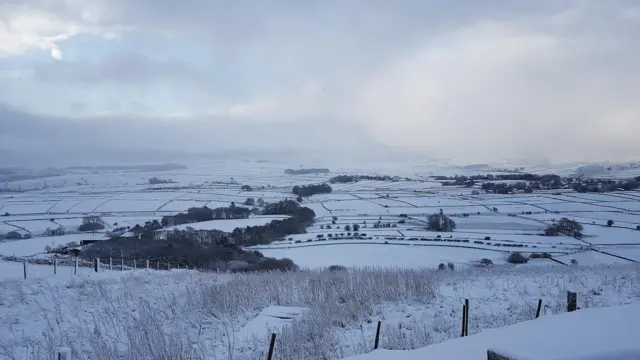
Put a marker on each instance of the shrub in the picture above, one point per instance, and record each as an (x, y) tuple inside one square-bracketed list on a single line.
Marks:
[(91, 223), (13, 235), (517, 258), (610, 223), (638, 227), (250, 202), (487, 237), (6, 214), (442, 267), (451, 266), (337, 268), (271, 264), (574, 262), (485, 262)]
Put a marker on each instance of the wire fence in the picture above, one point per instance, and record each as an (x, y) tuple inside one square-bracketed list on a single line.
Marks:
[(97, 265)]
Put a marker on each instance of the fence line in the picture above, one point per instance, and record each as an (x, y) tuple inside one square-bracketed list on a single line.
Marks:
[(97, 263)]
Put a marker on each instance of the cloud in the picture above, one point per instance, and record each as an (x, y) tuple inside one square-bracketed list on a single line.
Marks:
[(528, 88), (41, 24), (476, 80)]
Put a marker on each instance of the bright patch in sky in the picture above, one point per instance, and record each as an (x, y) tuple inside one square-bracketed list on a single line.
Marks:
[(56, 53)]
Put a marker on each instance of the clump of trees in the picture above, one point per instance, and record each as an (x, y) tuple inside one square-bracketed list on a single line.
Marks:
[(308, 190), (300, 218), (545, 255), (606, 185), (91, 223), (155, 180), (246, 188), (343, 179), (199, 214), (250, 202), (188, 252), (565, 227), (440, 222)]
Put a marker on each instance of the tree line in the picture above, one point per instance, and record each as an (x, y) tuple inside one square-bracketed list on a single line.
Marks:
[(309, 190)]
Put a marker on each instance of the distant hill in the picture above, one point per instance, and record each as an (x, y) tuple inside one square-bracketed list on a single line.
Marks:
[(307, 171)]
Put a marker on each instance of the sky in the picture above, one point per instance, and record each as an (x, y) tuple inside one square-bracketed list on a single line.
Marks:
[(545, 80)]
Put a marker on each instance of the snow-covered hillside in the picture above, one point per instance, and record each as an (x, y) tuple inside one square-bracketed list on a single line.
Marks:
[(317, 315)]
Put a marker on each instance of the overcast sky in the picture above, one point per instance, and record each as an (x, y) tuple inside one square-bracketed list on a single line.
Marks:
[(473, 79)]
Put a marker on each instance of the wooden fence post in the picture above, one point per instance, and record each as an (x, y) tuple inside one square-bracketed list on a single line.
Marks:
[(135, 266), (55, 266), (466, 317), (464, 320), (24, 265), (539, 308), (110, 263), (272, 346), (377, 342), (572, 301), (75, 267), (122, 264), (147, 263), (96, 264), (63, 354), (157, 265)]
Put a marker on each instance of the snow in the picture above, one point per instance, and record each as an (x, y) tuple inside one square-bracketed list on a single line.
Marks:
[(588, 334), (270, 320), (229, 225), (379, 254)]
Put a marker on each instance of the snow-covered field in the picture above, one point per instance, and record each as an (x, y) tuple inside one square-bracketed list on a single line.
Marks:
[(124, 198), (317, 314)]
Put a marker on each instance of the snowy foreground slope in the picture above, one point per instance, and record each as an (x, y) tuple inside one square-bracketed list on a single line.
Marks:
[(589, 334), (316, 314)]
